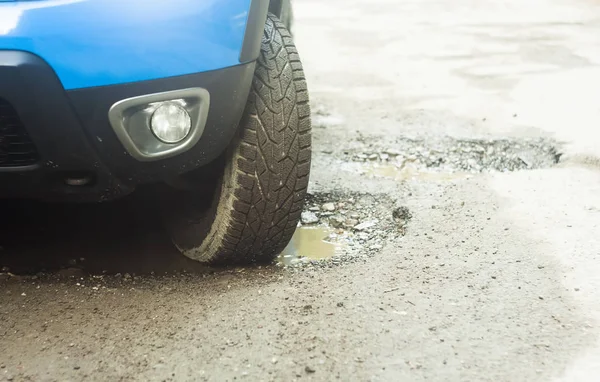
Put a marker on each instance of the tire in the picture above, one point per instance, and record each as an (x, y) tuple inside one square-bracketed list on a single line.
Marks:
[(262, 184)]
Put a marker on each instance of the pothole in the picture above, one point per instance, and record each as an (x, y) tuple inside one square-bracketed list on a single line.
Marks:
[(404, 157), (343, 227), (405, 172)]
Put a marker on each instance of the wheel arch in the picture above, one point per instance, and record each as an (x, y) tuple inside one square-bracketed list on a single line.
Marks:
[(283, 10), (275, 7)]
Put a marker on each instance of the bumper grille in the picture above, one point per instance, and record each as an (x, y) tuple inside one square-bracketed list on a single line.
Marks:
[(16, 149)]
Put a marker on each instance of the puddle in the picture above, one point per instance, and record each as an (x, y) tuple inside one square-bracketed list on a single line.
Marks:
[(309, 243), (342, 227), (323, 121), (321, 118), (405, 173)]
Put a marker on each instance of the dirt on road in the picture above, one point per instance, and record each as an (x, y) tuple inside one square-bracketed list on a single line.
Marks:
[(450, 234)]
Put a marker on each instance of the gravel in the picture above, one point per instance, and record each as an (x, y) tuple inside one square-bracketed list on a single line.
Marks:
[(365, 225), (460, 155), (330, 207), (309, 217)]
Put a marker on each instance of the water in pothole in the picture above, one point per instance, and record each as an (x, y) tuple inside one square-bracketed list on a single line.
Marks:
[(309, 243), (405, 173)]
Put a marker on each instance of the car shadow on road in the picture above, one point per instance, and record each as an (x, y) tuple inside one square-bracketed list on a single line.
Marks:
[(124, 236)]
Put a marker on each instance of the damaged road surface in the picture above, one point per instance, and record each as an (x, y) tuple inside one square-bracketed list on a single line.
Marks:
[(450, 234)]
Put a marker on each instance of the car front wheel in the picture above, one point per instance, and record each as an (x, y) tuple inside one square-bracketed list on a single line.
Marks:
[(261, 187)]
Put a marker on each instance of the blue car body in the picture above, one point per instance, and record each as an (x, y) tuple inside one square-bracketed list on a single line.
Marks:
[(65, 63), (105, 42)]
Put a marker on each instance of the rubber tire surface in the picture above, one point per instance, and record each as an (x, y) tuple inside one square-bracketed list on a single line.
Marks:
[(261, 193)]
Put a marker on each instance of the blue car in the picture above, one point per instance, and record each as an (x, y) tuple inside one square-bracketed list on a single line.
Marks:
[(202, 101)]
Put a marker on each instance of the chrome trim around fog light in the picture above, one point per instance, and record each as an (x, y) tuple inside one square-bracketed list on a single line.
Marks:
[(130, 119)]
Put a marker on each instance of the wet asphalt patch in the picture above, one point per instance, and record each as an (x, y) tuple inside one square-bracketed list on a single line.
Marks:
[(346, 227)]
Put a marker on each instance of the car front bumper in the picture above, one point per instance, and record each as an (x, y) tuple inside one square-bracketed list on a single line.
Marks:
[(50, 137), (90, 43)]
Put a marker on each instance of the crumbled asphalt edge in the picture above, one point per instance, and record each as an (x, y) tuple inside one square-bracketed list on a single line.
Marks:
[(362, 224), (459, 155), (92, 284)]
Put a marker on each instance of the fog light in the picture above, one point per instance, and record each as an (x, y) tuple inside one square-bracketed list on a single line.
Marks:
[(171, 123)]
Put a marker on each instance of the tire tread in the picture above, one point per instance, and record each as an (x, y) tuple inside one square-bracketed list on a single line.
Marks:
[(269, 164)]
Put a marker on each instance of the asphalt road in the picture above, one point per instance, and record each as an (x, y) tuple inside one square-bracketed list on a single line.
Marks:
[(463, 136)]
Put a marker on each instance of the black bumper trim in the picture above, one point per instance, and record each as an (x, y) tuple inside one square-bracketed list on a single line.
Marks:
[(35, 92), (72, 132), (255, 27), (228, 88), (16, 148)]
